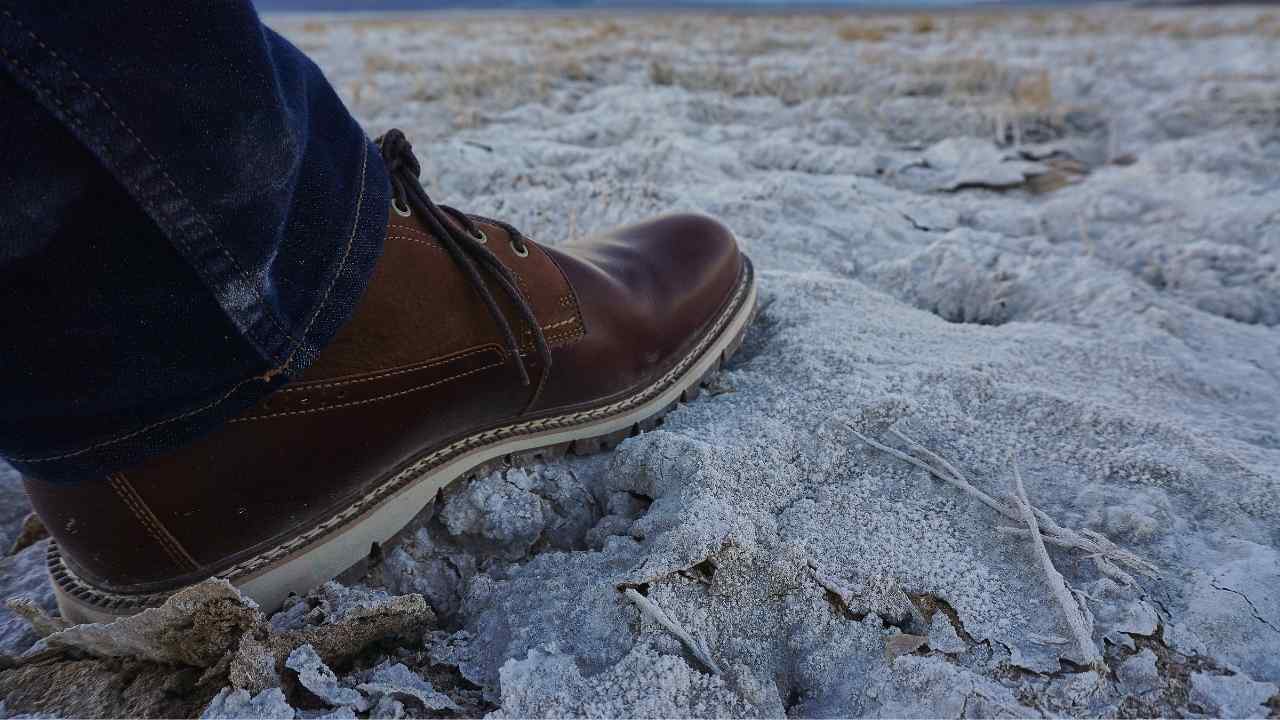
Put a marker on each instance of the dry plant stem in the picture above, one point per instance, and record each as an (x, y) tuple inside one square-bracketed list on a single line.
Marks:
[(1107, 555), (1104, 564), (831, 584), (1080, 626), (955, 481), (1047, 524), (695, 646)]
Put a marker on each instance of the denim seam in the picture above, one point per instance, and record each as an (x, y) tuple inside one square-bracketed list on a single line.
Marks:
[(342, 264), (235, 388), (265, 308)]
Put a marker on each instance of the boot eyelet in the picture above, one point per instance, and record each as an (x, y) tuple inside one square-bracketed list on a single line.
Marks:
[(480, 237), (401, 209), (520, 250)]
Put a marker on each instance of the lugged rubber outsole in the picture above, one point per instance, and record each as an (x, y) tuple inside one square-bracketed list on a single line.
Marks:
[(344, 540)]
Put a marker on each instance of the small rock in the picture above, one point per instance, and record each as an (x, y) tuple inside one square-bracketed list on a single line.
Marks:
[(943, 636), (969, 162), (31, 532), (1139, 674), (231, 704), (388, 708), (195, 627), (903, 644), (1234, 696), (342, 713), (387, 680), (253, 667), (315, 676)]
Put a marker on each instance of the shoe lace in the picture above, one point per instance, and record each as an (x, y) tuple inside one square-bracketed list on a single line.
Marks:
[(462, 240)]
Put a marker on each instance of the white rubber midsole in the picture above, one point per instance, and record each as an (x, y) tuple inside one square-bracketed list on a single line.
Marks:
[(335, 551), (343, 548)]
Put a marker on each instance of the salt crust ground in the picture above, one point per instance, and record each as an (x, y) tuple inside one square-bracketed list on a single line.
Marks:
[(1049, 239)]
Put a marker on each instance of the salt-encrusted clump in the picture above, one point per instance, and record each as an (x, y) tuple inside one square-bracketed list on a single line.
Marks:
[(1049, 237), (643, 683), (233, 704), (320, 681), (23, 576), (395, 681)]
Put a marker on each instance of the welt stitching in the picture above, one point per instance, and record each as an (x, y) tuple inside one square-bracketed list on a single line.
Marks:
[(284, 549), (529, 426), (155, 161), (380, 398), (391, 373), (147, 523)]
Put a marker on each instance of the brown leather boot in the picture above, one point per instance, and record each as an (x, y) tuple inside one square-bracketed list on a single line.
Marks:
[(471, 346)]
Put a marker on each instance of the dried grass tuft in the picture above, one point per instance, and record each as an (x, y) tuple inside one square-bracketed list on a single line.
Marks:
[(923, 24), (854, 32)]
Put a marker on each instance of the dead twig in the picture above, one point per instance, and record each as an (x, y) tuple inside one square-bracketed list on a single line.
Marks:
[(1108, 557), (655, 613), (1081, 625)]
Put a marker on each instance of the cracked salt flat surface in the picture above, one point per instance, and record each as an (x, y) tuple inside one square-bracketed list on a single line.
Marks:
[(1108, 318)]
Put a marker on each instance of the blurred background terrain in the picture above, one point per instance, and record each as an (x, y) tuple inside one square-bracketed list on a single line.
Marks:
[(1047, 238)]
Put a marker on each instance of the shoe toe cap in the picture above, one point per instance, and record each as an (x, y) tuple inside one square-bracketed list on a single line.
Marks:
[(690, 265), (647, 293)]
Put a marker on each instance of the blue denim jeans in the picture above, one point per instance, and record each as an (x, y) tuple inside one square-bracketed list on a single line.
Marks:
[(187, 215)]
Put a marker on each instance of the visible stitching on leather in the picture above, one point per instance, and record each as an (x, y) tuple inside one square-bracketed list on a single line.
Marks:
[(569, 299), (414, 230), (73, 118), (366, 401), (141, 431), (480, 439), (150, 522), (155, 160), (88, 593), (148, 518), (528, 334), (393, 372), (342, 264), (571, 334), (429, 241)]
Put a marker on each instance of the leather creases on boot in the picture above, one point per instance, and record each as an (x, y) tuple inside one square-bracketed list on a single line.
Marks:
[(472, 345)]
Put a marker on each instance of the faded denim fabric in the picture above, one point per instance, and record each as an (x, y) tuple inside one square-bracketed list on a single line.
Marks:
[(187, 215)]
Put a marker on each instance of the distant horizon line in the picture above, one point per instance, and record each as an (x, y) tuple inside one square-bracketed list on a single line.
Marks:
[(597, 5)]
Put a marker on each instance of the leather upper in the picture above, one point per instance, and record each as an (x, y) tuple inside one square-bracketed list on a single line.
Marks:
[(647, 290), (420, 364)]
